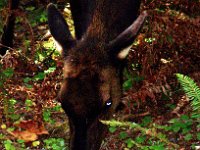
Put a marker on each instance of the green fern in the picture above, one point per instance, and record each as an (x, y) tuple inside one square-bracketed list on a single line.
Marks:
[(192, 91)]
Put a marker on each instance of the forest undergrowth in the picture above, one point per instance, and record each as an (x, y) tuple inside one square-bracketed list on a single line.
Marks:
[(156, 114)]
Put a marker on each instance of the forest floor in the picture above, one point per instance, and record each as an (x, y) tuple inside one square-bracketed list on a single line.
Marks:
[(30, 114), (31, 74)]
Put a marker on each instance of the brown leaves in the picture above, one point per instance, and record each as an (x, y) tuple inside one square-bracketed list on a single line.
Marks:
[(170, 45), (29, 130), (24, 135)]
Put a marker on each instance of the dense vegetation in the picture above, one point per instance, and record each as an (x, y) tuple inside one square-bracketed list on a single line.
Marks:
[(161, 106)]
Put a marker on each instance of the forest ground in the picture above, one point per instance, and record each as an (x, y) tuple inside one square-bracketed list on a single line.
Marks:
[(31, 74)]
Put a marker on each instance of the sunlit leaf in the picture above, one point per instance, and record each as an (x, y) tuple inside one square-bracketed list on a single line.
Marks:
[(3, 126), (50, 70), (8, 145), (36, 143), (129, 143)]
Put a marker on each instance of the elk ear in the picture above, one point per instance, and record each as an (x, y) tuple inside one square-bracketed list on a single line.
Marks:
[(121, 45), (59, 28)]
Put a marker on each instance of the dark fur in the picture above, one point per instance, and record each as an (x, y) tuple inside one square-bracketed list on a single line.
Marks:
[(8, 29), (81, 13), (92, 71)]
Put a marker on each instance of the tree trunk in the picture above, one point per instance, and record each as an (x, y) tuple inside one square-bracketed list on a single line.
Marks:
[(8, 29)]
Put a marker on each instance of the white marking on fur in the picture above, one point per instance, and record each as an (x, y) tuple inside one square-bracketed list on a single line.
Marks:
[(58, 46), (123, 53)]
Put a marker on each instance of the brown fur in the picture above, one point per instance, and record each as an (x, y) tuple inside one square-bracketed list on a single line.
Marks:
[(92, 73), (89, 83)]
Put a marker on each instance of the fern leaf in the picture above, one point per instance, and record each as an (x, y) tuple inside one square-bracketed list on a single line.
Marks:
[(191, 90)]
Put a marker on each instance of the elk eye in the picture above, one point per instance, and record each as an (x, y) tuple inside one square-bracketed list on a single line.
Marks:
[(108, 103), (71, 59)]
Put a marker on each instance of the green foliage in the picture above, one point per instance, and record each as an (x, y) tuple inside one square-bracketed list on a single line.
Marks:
[(146, 121), (149, 135), (5, 74), (153, 136), (55, 144), (50, 70), (46, 56), (48, 111), (47, 116), (140, 139), (188, 137), (123, 135), (3, 3), (9, 109), (10, 129), (52, 143), (156, 140), (130, 143), (198, 136), (1, 136), (28, 104), (26, 82), (39, 76), (130, 79), (150, 40), (8, 72), (112, 129), (182, 125), (21, 143), (157, 147), (127, 84), (192, 91), (8, 145), (36, 15)]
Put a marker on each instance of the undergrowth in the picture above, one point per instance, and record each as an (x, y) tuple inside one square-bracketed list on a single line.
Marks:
[(167, 43)]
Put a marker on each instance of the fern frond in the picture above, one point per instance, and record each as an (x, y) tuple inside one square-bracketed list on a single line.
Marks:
[(191, 90)]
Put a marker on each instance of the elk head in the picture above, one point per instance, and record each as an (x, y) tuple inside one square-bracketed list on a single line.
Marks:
[(91, 88)]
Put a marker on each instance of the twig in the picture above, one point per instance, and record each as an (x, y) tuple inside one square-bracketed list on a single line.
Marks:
[(133, 116), (10, 48)]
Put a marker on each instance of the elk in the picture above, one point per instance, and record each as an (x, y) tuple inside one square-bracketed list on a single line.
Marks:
[(93, 63)]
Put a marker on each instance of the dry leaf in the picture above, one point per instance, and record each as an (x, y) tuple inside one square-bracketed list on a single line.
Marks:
[(33, 126), (24, 135)]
